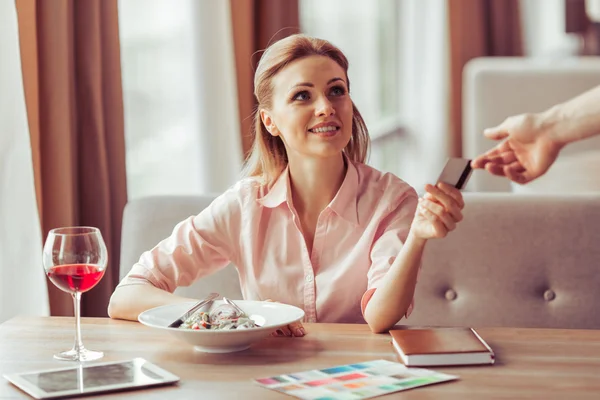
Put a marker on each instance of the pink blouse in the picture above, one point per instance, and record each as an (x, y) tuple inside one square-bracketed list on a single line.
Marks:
[(358, 236)]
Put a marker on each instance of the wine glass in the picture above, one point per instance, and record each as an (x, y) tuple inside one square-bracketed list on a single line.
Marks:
[(75, 260)]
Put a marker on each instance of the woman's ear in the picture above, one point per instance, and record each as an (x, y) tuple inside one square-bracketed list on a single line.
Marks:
[(268, 122)]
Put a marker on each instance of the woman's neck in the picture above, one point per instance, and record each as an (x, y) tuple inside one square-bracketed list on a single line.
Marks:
[(315, 182)]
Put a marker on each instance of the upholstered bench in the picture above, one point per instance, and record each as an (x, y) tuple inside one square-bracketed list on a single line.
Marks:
[(515, 260)]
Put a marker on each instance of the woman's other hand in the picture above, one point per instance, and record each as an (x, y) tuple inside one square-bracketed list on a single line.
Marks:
[(292, 330)]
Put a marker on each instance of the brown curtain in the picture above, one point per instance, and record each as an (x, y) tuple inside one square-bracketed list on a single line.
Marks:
[(577, 22), (71, 71), (478, 28), (576, 19), (256, 24)]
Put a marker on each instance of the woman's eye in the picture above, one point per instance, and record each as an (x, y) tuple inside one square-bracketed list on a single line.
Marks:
[(301, 96), (338, 91)]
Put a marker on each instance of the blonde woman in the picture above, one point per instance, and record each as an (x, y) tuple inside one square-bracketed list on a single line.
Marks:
[(311, 225)]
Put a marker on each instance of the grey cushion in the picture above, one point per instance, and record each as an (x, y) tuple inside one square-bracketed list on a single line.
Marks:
[(149, 220), (515, 260)]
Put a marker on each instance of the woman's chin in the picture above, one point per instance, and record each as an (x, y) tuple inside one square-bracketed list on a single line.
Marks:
[(329, 149)]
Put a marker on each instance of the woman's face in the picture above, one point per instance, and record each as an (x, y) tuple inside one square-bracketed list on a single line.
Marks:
[(311, 108)]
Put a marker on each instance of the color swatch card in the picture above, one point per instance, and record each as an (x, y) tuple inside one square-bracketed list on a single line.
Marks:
[(353, 381)]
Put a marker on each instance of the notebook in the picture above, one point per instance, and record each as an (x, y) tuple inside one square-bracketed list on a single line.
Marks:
[(441, 346)]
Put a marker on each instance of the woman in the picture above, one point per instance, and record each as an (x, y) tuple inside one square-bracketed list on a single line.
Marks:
[(311, 225)]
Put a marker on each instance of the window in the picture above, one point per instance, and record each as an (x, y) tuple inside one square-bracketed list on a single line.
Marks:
[(544, 34), (159, 89)]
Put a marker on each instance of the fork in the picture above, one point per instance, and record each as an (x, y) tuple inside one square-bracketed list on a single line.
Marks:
[(258, 319), (208, 299)]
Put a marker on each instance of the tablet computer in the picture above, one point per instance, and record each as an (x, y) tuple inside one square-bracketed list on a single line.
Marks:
[(83, 379)]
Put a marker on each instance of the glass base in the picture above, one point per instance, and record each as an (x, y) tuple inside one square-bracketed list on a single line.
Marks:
[(79, 355)]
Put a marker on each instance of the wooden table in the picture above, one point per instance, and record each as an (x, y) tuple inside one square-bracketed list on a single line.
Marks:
[(533, 363)]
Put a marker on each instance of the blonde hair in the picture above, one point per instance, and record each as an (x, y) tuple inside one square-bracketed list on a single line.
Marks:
[(268, 157)]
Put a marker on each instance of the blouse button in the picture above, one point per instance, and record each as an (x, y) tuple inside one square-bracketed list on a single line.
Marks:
[(308, 278), (450, 294), (549, 295)]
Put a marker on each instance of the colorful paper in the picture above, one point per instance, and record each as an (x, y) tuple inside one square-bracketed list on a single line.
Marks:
[(353, 381)]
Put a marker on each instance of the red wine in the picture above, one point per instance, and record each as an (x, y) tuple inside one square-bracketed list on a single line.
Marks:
[(75, 277)]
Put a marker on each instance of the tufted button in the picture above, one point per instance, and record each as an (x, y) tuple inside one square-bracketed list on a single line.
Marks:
[(450, 294), (549, 295)]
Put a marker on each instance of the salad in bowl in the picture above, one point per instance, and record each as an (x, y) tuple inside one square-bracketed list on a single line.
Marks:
[(221, 328), (223, 317)]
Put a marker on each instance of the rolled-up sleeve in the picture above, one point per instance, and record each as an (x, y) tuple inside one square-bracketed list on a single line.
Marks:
[(198, 246), (386, 247)]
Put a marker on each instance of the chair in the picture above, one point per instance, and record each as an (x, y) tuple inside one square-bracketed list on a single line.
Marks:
[(146, 221)]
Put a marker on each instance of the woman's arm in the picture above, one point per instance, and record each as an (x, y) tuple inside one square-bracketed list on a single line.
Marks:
[(394, 295), (185, 256), (127, 302), (197, 247), (436, 215)]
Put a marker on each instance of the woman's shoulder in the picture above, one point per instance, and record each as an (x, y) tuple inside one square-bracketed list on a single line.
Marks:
[(387, 184), (243, 190), (232, 203), (242, 193)]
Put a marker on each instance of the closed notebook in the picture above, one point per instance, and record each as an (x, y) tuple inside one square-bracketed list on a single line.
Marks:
[(441, 346)]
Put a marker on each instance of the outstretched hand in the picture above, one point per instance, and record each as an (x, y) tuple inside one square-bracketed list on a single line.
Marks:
[(525, 153)]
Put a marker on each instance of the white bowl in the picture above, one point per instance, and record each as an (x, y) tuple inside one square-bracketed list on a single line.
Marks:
[(276, 315)]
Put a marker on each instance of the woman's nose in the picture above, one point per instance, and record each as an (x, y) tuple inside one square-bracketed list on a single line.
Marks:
[(324, 107)]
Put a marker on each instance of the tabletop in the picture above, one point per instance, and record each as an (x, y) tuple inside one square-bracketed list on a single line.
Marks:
[(530, 363)]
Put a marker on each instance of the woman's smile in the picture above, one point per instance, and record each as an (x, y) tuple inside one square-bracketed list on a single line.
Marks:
[(325, 130)]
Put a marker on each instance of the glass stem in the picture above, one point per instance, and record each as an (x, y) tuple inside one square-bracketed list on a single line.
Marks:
[(78, 346)]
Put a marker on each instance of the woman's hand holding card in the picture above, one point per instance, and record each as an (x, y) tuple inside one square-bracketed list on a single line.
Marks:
[(438, 212)]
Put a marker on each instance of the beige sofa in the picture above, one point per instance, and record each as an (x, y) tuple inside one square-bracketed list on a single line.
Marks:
[(526, 261)]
